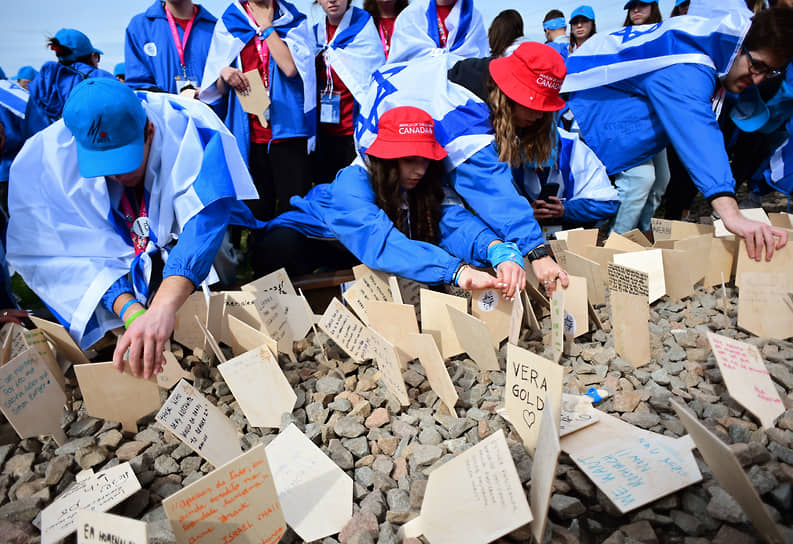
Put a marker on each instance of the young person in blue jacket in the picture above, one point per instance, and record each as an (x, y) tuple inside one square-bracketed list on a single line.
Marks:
[(166, 46), (390, 212), (629, 111), (555, 28), (273, 38), (77, 60)]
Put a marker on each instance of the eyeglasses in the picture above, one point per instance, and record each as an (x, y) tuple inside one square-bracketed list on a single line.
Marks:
[(759, 68)]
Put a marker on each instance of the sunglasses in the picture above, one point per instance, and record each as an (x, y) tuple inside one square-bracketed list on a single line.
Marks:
[(759, 68)]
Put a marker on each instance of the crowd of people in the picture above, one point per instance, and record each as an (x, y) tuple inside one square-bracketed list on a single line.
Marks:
[(404, 135)]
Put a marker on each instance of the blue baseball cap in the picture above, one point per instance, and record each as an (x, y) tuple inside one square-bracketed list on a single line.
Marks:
[(26, 72), (75, 40), (118, 70), (680, 2), (583, 11), (633, 2), (107, 121), (553, 24)]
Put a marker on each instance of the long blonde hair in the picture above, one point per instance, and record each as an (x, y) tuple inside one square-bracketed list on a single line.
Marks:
[(532, 145)]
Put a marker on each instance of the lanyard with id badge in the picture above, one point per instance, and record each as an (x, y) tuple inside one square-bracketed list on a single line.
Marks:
[(330, 100), (185, 80)]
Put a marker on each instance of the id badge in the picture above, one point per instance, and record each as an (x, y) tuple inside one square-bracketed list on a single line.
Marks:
[(330, 108), (181, 83)]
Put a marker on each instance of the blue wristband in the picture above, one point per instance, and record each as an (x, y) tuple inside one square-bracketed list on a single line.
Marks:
[(266, 32), (505, 251), (126, 306)]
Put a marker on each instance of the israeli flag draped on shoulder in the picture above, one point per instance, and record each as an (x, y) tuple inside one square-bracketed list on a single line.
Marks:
[(354, 52), (416, 31), (13, 97), (462, 120), (710, 34), (81, 244), (234, 29)]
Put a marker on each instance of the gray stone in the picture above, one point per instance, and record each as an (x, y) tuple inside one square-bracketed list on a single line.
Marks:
[(164, 464), (360, 522), (364, 476), (645, 420), (398, 500), (348, 427), (340, 455), (340, 405), (660, 376), (762, 480), (687, 523), (374, 503), (110, 439), (90, 456), (21, 510), (781, 452), (425, 454), (417, 490), (383, 464), (160, 532), (329, 385), (56, 468), (430, 436), (723, 507), (86, 426), (402, 429), (387, 534), (19, 464), (359, 447), (566, 507), (316, 413)]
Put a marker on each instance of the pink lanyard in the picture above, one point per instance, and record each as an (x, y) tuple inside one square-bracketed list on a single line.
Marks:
[(181, 44), (383, 37), (262, 49), (139, 242)]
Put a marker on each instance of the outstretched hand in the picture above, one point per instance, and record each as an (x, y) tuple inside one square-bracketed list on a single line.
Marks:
[(471, 278)]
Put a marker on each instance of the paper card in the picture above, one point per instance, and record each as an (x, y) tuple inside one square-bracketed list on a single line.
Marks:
[(286, 318), (210, 339), (31, 398), (98, 493), (747, 378), (354, 297), (729, 473), (755, 214), (260, 387), (678, 283), (115, 396), (344, 328), (184, 330), (543, 471), (257, 101), (435, 320), (200, 424), (388, 361), (558, 248), (315, 494), (242, 305), (496, 311), (562, 234), (781, 219), (781, 263), (637, 468), (172, 372), (516, 319), (557, 323), (603, 256), (101, 528), (636, 236), (396, 293), (586, 268), (474, 337), (64, 343), (721, 260), (530, 378), (394, 322), (577, 413), (650, 261), (578, 239), (377, 281), (665, 229), (698, 249), (630, 314), (621, 244), (576, 308), (277, 282), (761, 305), (236, 502), (476, 497), (242, 338), (20, 339), (425, 348)]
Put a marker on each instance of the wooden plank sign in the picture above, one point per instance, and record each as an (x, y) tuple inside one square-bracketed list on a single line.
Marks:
[(630, 313), (474, 336), (543, 470), (241, 337), (476, 497), (315, 494), (235, 502), (117, 396), (184, 330), (762, 309), (344, 328), (425, 348), (652, 263), (435, 320), (589, 269), (260, 387), (277, 282), (747, 378), (394, 322), (530, 379), (98, 493), (64, 343), (576, 307), (557, 323), (31, 398), (22, 339), (388, 361), (200, 424), (496, 311)]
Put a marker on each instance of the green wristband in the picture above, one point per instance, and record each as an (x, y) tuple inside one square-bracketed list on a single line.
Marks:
[(133, 317)]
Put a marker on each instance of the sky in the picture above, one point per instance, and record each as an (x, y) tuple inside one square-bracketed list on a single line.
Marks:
[(25, 25)]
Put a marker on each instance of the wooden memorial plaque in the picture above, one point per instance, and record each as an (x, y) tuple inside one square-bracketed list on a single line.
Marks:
[(435, 320), (630, 313), (474, 336)]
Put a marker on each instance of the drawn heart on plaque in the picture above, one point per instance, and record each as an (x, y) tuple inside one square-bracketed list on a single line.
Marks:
[(529, 418)]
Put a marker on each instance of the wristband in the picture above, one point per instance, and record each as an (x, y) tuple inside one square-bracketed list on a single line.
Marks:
[(504, 251), (134, 317), (457, 274), (126, 306), (266, 32)]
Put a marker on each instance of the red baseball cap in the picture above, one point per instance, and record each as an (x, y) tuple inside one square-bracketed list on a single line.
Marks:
[(531, 76), (406, 132)]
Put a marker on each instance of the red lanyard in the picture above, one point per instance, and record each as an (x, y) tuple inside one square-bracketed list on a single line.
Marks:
[(444, 35), (139, 239), (262, 49), (181, 44), (383, 37)]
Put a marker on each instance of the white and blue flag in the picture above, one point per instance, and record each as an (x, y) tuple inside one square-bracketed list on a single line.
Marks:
[(780, 172), (13, 97)]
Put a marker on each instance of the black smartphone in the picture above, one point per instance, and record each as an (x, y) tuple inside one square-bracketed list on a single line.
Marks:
[(549, 189)]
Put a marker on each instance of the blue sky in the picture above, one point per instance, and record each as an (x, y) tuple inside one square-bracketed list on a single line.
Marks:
[(26, 24)]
